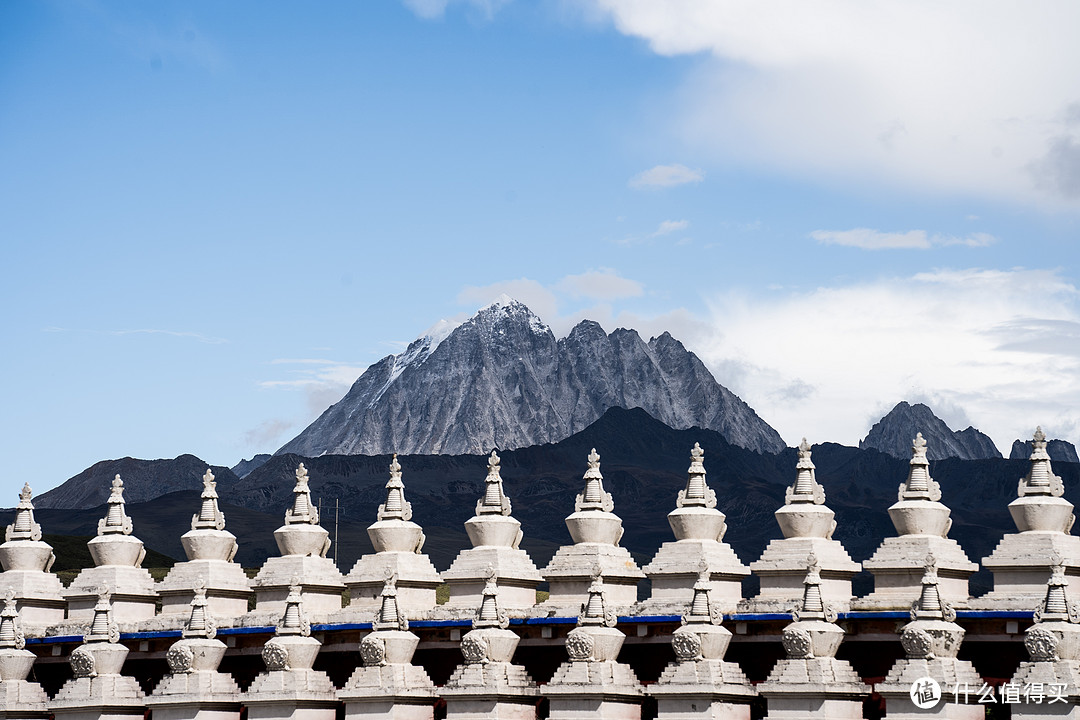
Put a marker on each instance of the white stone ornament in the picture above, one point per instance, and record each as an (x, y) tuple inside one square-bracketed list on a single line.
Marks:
[(116, 520), (579, 646), (180, 658), (474, 649), (276, 657), (797, 643), (373, 650), (82, 663), (1041, 645), (687, 646)]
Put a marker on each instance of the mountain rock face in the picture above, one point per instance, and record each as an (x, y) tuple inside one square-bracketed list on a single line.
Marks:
[(502, 380), (143, 480), (893, 434), (1059, 450), (244, 467)]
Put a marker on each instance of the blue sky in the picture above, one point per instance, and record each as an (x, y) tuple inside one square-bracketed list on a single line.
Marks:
[(214, 216)]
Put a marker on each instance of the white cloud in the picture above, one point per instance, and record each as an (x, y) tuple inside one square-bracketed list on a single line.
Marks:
[(999, 347), (602, 284), (961, 96), (666, 176), (669, 226), (434, 9), (868, 239)]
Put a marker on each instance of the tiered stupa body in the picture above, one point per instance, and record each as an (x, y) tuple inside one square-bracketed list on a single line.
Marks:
[(922, 524), (388, 686), (194, 689), (495, 536), (699, 532), (700, 684), (808, 525), (210, 550), (811, 682), (303, 544), (1053, 643), (487, 684), (98, 691), (1021, 562), (118, 557), (931, 641), (290, 689), (596, 532), (398, 542), (27, 559), (593, 685), (19, 698)]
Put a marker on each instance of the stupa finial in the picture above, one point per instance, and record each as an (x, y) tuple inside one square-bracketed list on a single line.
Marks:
[(24, 527), (294, 621), (303, 511), (930, 606), (11, 635), (1040, 479), (491, 615), (594, 611), (919, 485), (697, 492), (396, 506), (390, 616), (209, 516), (805, 489), (1056, 604), (201, 623), (813, 606), (116, 520), (702, 611), (103, 628), (594, 496), (494, 501)]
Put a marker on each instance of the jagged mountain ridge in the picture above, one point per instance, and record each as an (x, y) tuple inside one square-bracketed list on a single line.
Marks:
[(502, 380), (143, 480), (1058, 450), (893, 434)]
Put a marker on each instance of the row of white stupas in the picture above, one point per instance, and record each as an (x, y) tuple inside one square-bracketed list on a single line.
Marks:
[(1021, 563), (696, 576)]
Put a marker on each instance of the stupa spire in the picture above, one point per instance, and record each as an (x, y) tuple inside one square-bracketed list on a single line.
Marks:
[(930, 606), (702, 610), (1040, 479), (805, 489), (813, 605), (490, 615), (200, 624), (11, 635), (396, 506), (390, 617), (294, 621), (24, 527), (919, 485), (594, 611), (594, 496), (209, 516), (1056, 605), (494, 501), (116, 520), (303, 511), (103, 628), (697, 492)]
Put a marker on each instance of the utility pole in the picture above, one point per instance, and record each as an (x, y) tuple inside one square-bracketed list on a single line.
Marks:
[(335, 529)]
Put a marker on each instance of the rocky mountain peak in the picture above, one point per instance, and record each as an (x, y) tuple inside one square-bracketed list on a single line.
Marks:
[(893, 434), (1058, 450), (501, 379)]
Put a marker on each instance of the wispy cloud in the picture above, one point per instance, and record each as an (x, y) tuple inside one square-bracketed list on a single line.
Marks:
[(434, 9), (669, 226), (663, 176), (869, 239), (267, 435), (602, 284)]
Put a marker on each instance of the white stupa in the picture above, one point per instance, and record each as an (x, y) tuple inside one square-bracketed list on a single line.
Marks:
[(27, 559)]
